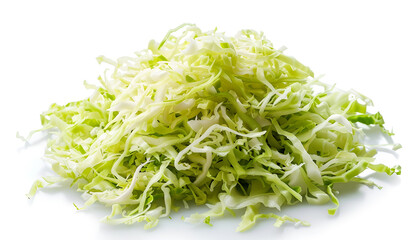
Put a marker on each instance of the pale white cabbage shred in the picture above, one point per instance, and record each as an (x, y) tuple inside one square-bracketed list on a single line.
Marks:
[(205, 118)]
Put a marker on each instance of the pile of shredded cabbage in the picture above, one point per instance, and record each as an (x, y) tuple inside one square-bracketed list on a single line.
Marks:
[(205, 118)]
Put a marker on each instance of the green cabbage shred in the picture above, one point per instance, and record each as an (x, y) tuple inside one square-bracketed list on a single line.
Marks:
[(207, 119)]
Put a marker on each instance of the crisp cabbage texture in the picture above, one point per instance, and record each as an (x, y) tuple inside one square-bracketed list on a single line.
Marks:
[(205, 118)]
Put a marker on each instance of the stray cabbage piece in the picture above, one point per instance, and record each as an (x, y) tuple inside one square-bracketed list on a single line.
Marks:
[(205, 118)]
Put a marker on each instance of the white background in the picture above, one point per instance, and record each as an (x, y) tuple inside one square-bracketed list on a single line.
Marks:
[(47, 49)]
